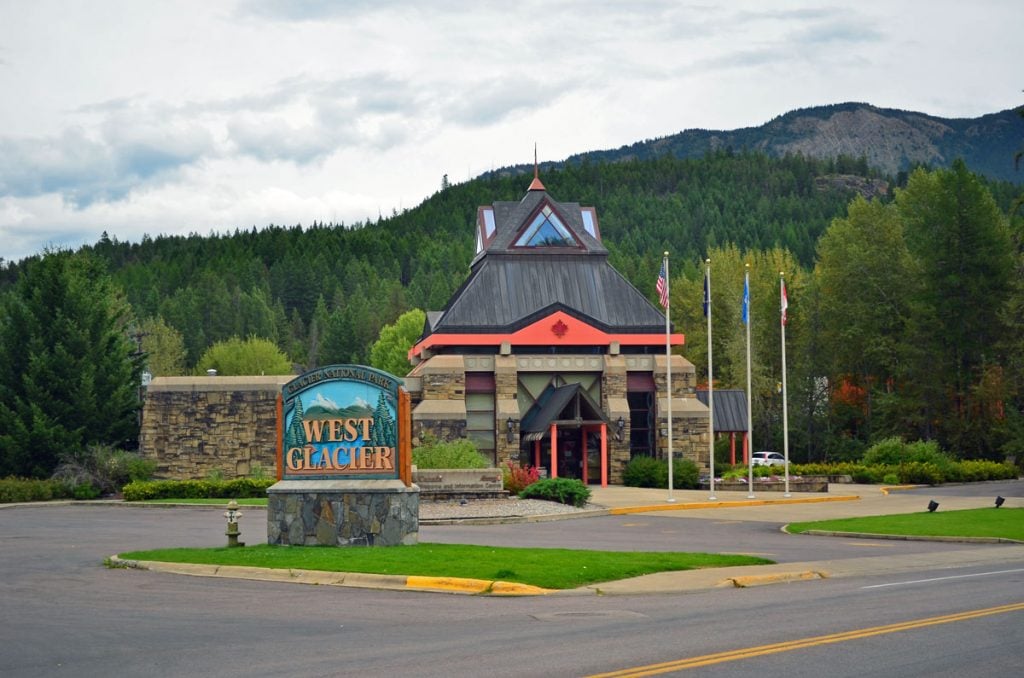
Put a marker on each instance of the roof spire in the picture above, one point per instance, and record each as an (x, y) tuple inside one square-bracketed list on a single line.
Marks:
[(536, 185)]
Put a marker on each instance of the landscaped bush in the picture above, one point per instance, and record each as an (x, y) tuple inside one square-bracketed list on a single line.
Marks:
[(455, 454), (645, 472), (920, 473), (16, 490), (889, 452), (563, 490), (651, 472), (517, 478), (239, 488), (101, 469)]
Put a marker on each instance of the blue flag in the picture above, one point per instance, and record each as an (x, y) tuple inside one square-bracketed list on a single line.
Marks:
[(707, 297), (746, 301)]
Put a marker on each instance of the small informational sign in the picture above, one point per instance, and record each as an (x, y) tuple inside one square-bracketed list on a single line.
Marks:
[(341, 422)]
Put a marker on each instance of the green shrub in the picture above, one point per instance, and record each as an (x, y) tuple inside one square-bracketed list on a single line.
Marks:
[(890, 451), (102, 467), (890, 479), (238, 488), (17, 490), (460, 453), (651, 472), (645, 472), (920, 473), (685, 475), (563, 490), (85, 491)]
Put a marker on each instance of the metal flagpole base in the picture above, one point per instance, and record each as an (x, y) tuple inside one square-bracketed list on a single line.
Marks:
[(751, 496), (671, 500), (712, 498), (788, 494)]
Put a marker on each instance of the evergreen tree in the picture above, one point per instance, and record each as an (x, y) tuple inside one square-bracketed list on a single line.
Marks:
[(69, 373), (962, 243)]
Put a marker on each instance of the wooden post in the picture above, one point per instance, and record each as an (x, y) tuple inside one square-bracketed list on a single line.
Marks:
[(405, 437)]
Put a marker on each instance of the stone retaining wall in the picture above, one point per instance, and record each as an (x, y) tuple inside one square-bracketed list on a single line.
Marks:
[(193, 427)]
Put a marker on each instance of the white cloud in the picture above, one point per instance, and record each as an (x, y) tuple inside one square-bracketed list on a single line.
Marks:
[(197, 116)]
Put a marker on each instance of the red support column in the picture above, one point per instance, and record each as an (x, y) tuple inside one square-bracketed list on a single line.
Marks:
[(554, 451), (746, 449), (604, 455), (583, 453), (536, 454), (732, 448)]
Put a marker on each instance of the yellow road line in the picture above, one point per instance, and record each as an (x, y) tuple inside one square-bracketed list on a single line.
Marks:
[(775, 648)]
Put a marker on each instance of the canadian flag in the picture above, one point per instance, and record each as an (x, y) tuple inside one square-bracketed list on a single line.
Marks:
[(785, 302)]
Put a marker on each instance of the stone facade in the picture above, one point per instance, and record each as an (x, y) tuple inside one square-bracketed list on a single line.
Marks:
[(194, 427), (342, 513)]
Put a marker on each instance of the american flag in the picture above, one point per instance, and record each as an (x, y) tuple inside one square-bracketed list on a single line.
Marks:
[(662, 286)]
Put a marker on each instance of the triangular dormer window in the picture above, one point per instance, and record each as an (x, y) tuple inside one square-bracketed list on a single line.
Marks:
[(546, 230)]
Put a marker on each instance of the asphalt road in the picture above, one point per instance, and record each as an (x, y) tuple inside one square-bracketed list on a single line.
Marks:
[(63, 614)]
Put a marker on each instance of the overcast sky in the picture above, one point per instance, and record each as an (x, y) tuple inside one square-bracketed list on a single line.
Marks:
[(195, 115)]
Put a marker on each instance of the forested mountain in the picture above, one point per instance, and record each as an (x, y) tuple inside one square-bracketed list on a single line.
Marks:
[(890, 140), (905, 293), (323, 292)]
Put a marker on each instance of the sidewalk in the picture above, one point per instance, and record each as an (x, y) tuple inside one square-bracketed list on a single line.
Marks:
[(841, 501)]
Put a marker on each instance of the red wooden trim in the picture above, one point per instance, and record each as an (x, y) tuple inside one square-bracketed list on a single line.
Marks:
[(279, 457), (554, 451), (604, 455), (541, 333), (585, 457)]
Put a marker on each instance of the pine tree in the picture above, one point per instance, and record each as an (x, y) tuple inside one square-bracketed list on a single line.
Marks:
[(69, 372)]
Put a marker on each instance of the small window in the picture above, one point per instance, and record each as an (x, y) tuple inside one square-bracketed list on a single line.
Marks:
[(546, 230)]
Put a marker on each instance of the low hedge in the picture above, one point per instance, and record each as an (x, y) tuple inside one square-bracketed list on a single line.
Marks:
[(651, 472), (16, 490), (238, 488), (913, 472)]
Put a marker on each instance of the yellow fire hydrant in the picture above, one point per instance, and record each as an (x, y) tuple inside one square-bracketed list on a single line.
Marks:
[(233, 514)]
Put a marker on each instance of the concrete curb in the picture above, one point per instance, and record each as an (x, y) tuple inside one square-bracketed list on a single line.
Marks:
[(455, 585), (747, 581), (886, 489), (737, 503), (907, 537)]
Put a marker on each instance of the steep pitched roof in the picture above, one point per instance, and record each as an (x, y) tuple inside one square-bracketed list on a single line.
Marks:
[(513, 283)]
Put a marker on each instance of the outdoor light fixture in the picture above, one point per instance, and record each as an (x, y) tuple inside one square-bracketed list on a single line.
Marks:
[(510, 429), (932, 505), (999, 501), (621, 423)]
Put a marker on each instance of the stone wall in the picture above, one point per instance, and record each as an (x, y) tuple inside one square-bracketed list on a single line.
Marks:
[(193, 427), (342, 513)]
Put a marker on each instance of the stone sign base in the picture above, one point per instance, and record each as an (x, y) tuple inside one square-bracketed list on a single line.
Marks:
[(342, 513)]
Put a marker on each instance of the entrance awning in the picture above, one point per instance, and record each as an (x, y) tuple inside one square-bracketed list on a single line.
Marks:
[(568, 406)]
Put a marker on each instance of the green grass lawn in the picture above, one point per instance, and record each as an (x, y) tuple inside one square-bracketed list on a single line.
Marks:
[(1007, 523), (251, 501), (547, 568)]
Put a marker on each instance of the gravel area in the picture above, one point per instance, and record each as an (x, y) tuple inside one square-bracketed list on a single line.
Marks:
[(483, 509)]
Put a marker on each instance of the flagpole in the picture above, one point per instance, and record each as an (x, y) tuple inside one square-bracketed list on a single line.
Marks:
[(784, 305), (711, 380), (750, 388), (668, 378)]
